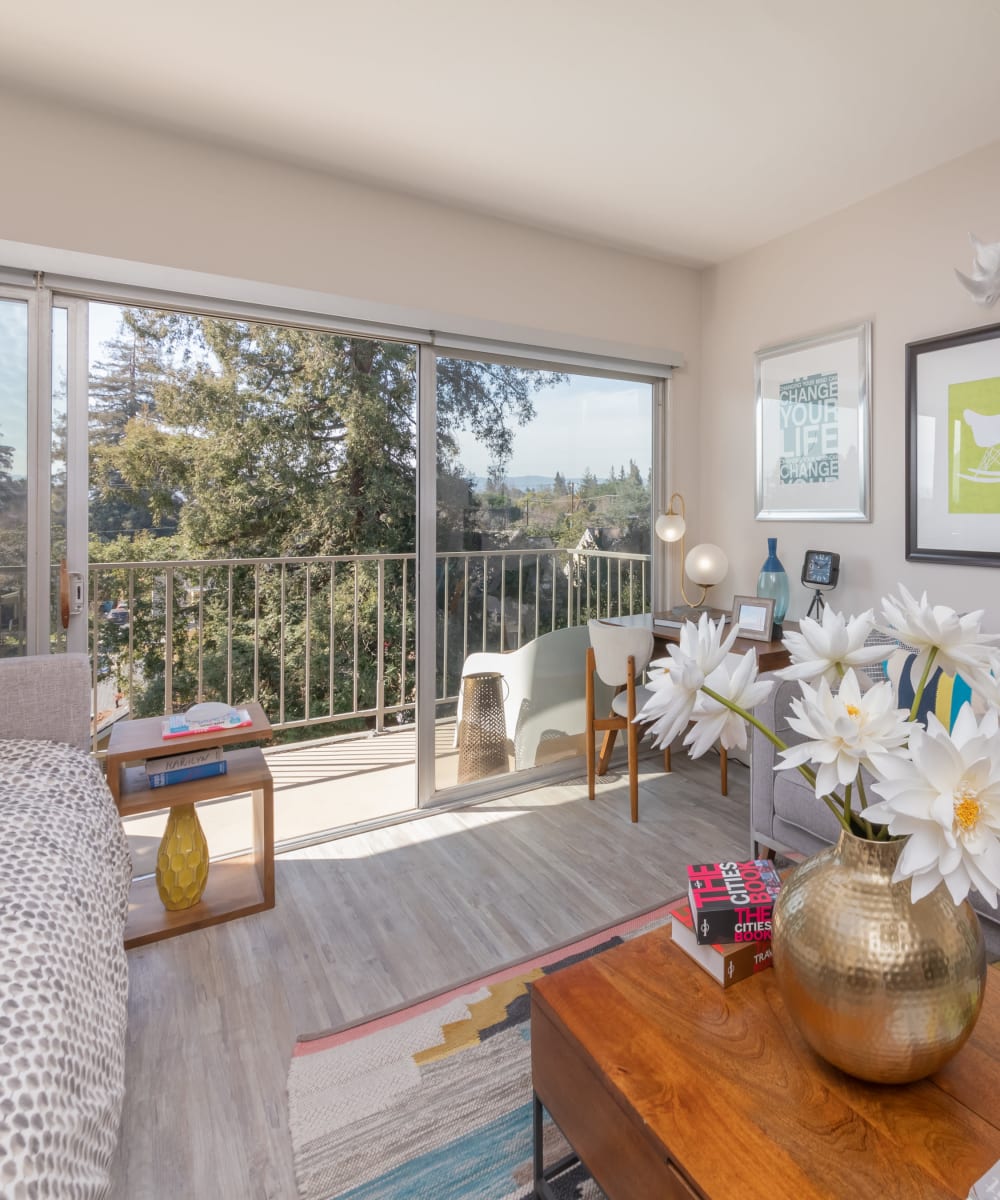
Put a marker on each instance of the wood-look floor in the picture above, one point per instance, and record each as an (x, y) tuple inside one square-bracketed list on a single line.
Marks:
[(371, 922)]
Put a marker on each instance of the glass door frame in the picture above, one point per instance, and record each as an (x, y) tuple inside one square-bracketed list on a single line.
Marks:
[(428, 795), (41, 301)]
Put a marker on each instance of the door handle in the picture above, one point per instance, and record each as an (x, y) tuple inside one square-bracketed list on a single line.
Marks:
[(70, 594)]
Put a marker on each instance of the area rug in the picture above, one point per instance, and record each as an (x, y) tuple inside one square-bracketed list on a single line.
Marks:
[(433, 1102)]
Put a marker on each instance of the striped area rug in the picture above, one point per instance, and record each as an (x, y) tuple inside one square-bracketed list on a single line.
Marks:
[(433, 1102)]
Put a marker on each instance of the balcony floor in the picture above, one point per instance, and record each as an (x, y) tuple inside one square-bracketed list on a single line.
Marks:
[(335, 784)]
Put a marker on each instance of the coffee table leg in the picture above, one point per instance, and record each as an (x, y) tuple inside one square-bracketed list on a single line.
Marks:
[(542, 1177)]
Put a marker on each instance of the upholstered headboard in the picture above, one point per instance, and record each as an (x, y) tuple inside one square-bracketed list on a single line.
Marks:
[(46, 696)]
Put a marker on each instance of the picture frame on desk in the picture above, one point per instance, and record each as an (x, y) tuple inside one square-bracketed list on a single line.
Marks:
[(753, 616), (953, 448)]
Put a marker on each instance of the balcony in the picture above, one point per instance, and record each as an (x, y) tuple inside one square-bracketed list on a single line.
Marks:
[(328, 646)]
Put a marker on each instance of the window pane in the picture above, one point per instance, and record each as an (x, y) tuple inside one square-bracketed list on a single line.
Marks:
[(544, 521)]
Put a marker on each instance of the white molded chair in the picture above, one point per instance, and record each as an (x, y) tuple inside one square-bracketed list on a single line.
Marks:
[(543, 701), (618, 654)]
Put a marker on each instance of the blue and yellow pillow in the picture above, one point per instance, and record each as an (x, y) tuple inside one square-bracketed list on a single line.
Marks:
[(943, 695)]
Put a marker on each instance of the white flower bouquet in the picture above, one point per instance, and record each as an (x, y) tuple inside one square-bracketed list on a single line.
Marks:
[(939, 788)]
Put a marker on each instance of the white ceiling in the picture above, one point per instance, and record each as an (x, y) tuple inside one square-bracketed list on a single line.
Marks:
[(688, 129)]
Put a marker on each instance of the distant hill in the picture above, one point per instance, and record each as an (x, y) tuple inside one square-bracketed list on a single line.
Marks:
[(524, 483)]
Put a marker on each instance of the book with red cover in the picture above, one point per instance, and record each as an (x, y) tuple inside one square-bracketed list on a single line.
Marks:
[(732, 901), (727, 963)]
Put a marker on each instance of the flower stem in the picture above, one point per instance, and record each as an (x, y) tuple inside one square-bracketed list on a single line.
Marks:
[(847, 803), (919, 695), (771, 736)]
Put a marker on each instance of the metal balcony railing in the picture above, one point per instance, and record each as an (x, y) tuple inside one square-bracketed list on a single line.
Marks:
[(332, 639)]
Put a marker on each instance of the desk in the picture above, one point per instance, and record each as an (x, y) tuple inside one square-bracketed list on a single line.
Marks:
[(771, 656), (670, 1088)]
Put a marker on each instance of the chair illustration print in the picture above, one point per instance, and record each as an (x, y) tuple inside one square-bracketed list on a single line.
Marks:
[(618, 655), (986, 434)]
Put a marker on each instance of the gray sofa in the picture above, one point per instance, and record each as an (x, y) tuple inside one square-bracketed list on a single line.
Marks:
[(785, 814), (64, 880)]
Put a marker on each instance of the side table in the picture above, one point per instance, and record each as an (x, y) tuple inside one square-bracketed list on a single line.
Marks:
[(236, 887)]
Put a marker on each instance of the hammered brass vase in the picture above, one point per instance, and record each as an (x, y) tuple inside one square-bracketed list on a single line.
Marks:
[(885, 989), (182, 860)]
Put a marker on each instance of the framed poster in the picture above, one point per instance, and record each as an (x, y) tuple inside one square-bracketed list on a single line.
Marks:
[(953, 448), (814, 427)]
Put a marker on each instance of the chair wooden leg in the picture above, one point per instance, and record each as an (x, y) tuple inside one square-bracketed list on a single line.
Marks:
[(633, 771), (591, 741), (723, 771), (591, 755), (606, 749)]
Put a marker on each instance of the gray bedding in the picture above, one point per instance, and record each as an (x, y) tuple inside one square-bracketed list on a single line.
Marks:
[(64, 878)]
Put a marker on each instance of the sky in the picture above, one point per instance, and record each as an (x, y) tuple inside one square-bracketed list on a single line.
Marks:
[(584, 422), (14, 381)]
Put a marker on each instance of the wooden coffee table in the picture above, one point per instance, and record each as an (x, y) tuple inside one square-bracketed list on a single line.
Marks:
[(668, 1088)]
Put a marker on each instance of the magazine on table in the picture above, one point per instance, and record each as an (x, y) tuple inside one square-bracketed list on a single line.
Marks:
[(205, 718)]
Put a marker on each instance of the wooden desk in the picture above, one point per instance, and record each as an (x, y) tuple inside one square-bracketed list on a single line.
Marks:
[(670, 1088), (771, 656)]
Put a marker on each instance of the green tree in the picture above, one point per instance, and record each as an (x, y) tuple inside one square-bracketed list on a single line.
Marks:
[(242, 440), (123, 389)]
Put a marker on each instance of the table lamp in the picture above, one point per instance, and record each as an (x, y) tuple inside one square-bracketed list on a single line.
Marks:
[(705, 565)]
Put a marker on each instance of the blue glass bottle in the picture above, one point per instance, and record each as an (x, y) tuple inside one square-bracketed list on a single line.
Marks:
[(773, 581)]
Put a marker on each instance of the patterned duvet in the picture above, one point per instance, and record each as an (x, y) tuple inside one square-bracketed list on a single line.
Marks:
[(64, 878)]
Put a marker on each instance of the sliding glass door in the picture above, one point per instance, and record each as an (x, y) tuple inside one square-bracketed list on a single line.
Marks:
[(543, 519), (16, 623)]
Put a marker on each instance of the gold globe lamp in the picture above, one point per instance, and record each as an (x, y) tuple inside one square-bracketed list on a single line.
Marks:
[(705, 565)]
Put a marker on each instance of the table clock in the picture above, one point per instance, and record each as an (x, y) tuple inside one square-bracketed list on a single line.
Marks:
[(820, 571)]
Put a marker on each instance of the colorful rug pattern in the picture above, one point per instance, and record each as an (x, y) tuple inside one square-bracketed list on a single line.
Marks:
[(434, 1102)]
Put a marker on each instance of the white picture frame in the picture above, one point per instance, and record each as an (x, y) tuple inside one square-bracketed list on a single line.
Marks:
[(813, 427)]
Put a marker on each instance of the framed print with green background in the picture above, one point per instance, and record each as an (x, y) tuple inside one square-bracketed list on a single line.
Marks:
[(953, 448), (813, 427)]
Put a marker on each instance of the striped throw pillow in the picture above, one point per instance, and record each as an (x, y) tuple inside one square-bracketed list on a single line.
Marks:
[(943, 694)]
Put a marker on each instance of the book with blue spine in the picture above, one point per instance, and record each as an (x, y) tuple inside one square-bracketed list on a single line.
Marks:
[(181, 768)]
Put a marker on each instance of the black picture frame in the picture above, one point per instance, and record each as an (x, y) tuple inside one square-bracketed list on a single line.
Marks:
[(941, 443)]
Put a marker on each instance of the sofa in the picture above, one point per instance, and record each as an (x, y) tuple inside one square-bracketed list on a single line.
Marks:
[(785, 814), (64, 880)]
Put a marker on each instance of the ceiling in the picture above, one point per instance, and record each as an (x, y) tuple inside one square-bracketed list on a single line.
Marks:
[(687, 129)]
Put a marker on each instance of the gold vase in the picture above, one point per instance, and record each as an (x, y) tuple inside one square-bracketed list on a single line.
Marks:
[(182, 859), (885, 989)]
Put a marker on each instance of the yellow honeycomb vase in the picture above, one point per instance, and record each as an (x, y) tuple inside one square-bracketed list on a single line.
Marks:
[(182, 859)]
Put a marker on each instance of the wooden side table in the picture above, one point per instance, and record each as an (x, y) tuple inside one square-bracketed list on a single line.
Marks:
[(236, 887)]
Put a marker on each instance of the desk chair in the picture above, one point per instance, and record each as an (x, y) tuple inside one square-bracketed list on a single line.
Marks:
[(618, 654)]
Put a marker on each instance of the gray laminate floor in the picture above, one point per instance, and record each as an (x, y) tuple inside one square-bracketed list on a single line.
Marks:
[(373, 921)]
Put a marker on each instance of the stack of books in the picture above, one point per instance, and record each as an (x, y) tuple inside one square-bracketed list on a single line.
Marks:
[(180, 768), (725, 923), (677, 619)]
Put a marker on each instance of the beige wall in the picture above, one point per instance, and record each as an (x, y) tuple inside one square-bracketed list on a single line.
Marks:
[(890, 259), (101, 187), (89, 184)]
